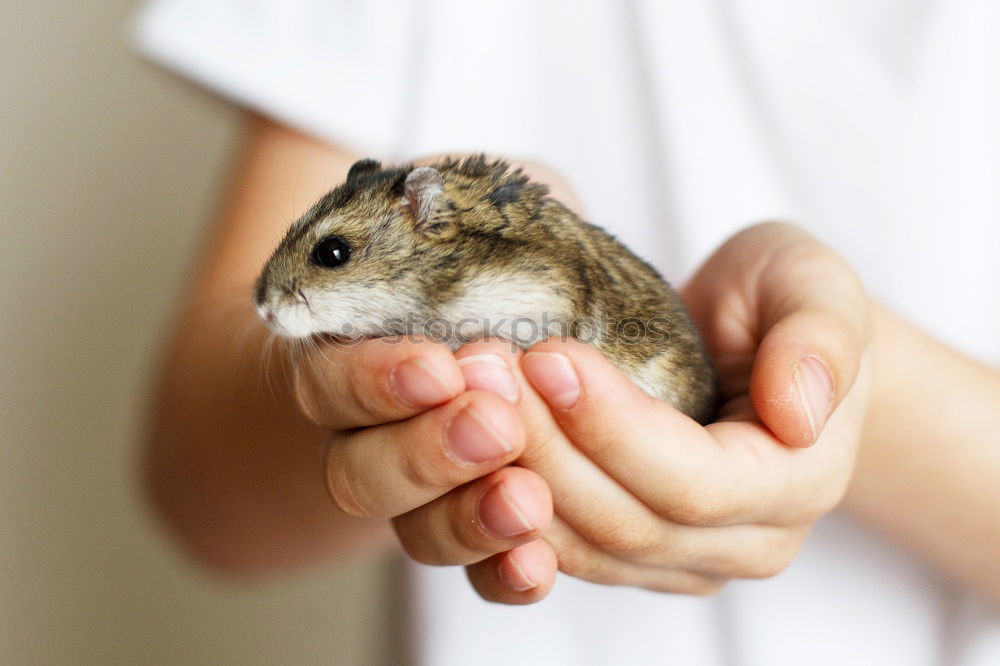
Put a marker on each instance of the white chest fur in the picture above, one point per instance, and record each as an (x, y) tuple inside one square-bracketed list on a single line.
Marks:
[(514, 308)]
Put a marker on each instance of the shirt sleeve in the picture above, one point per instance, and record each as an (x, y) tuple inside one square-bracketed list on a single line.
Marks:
[(332, 68)]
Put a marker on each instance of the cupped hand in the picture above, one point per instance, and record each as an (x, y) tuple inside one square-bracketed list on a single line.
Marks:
[(410, 443), (645, 496)]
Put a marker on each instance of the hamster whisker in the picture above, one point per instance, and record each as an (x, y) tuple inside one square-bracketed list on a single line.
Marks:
[(314, 343), (243, 335), (267, 361), (315, 352)]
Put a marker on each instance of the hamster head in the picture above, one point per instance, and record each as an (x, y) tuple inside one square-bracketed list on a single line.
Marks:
[(387, 245)]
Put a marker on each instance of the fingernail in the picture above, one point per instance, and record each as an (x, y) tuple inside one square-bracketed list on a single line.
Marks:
[(415, 383), (513, 576), (471, 439), (554, 377), (815, 392), (490, 373), (498, 513)]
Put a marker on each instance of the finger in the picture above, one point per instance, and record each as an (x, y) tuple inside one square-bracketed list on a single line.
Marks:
[(579, 486), (807, 361), (580, 559), (775, 294), (622, 526), (814, 315), (341, 386), (498, 512), (522, 575), (729, 473), (745, 551), (384, 471), (739, 551)]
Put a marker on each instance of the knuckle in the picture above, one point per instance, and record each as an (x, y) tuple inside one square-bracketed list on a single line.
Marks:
[(420, 555), (423, 472), (696, 507), (749, 567), (769, 560), (767, 566), (629, 539), (541, 449), (343, 489), (304, 392), (363, 396), (706, 587), (606, 439), (578, 564), (843, 336), (323, 396), (415, 545), (469, 537)]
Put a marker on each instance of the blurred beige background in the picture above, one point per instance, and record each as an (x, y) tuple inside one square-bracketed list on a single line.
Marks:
[(111, 170)]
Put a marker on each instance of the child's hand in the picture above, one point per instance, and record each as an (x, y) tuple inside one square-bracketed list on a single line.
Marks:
[(410, 443), (645, 496)]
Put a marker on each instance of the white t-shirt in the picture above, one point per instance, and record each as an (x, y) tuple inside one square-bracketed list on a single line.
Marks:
[(874, 124)]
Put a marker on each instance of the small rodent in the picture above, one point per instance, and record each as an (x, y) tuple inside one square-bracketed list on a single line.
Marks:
[(465, 248)]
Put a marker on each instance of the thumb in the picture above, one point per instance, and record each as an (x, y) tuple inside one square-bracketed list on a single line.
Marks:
[(813, 317)]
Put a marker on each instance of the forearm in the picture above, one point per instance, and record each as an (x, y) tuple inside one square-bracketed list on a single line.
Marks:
[(232, 466), (928, 473), (229, 462)]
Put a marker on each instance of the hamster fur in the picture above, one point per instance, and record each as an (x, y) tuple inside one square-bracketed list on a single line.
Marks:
[(465, 248)]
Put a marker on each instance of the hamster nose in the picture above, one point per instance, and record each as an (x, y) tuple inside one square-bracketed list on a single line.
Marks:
[(265, 313)]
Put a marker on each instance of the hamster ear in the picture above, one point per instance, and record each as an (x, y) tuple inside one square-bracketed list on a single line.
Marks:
[(362, 167), (424, 191)]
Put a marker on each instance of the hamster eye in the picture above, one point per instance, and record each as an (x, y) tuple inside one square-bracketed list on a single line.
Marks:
[(331, 252)]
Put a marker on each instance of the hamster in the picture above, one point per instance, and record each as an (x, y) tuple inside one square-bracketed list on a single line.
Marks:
[(466, 248)]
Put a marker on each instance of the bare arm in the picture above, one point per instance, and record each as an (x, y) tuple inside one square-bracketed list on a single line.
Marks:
[(928, 471), (230, 463)]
